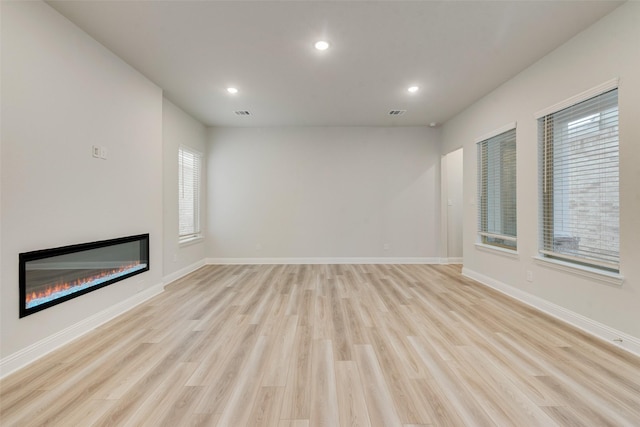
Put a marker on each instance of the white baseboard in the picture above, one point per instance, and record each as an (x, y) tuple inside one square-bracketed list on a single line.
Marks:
[(182, 272), (35, 351), (592, 327), (364, 260), (451, 260)]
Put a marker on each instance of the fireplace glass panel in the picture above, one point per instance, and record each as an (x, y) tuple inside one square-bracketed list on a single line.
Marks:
[(51, 276)]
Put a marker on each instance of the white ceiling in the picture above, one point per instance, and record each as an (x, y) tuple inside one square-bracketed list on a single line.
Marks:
[(456, 51)]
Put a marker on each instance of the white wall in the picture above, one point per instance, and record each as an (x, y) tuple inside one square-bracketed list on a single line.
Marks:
[(453, 204), (608, 49), (179, 128), (323, 192), (62, 93)]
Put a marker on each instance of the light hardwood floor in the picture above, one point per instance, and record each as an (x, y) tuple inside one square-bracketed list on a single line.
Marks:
[(328, 345)]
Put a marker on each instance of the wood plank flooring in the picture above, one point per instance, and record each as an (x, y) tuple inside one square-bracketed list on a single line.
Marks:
[(328, 345)]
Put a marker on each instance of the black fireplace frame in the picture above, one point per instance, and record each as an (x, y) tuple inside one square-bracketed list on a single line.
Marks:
[(47, 253)]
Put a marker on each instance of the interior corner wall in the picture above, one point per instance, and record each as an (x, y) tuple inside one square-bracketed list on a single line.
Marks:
[(62, 93), (453, 205), (606, 50), (179, 128), (331, 192)]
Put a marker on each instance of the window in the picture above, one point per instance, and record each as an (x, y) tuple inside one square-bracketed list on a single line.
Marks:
[(189, 166), (497, 216), (579, 183)]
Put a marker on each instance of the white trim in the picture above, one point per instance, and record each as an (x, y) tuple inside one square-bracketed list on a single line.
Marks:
[(587, 94), (451, 260), (35, 351), (571, 260), (382, 260), (581, 270), (498, 250), (496, 132), (590, 326), (182, 272), (191, 240), (498, 236)]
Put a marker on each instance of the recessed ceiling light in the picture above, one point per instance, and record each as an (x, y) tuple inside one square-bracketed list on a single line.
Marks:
[(232, 90), (413, 89), (433, 124), (321, 45)]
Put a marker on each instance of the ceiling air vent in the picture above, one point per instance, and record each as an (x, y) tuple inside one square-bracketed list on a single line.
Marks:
[(397, 112), (242, 113)]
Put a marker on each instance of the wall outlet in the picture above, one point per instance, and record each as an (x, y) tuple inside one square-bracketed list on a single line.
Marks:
[(140, 286), (529, 276), (175, 257), (258, 247), (385, 246), (99, 152)]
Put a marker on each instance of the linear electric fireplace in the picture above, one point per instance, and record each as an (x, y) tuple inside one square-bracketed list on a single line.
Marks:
[(51, 276)]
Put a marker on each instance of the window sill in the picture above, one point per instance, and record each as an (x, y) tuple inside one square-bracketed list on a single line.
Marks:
[(581, 271), (508, 253), (190, 241)]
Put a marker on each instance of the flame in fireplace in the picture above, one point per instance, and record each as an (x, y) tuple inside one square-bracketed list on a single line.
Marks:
[(57, 290)]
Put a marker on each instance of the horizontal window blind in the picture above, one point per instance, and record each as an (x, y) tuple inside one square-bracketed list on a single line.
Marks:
[(579, 188), (497, 210), (189, 165)]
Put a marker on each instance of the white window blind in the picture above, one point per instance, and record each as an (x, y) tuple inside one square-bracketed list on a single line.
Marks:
[(189, 167), (579, 183), (497, 214)]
